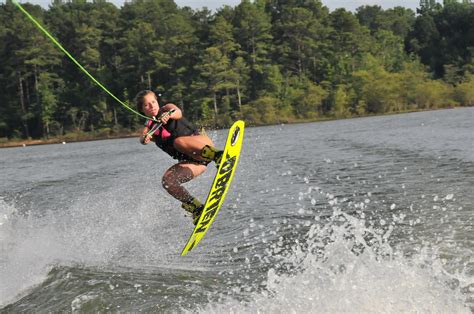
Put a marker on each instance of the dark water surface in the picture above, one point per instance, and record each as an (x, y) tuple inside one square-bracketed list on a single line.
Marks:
[(364, 215)]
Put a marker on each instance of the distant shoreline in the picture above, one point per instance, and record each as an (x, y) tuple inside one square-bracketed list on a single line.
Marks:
[(63, 140), (86, 137)]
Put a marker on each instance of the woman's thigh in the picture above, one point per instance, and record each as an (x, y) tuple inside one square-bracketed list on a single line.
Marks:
[(192, 144)]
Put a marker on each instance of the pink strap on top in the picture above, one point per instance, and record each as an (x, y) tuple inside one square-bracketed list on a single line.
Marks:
[(162, 132)]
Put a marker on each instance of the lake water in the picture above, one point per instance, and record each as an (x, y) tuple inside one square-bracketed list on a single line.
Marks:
[(364, 215)]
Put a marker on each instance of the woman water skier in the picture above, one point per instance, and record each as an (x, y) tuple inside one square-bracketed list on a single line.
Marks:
[(182, 141)]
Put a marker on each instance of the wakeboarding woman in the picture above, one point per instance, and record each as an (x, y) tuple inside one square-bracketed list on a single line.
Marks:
[(181, 140)]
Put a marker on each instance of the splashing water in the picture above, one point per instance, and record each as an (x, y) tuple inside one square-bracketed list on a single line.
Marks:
[(345, 265), (334, 259), (98, 230)]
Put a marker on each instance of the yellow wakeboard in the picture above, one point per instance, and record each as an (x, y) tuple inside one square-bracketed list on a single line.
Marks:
[(220, 185)]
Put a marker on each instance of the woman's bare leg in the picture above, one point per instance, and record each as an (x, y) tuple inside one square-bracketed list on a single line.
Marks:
[(192, 145), (178, 174)]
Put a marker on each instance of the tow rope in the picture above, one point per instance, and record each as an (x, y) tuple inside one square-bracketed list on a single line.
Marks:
[(40, 27)]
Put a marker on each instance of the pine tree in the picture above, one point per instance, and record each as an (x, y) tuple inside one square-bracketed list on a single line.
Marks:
[(253, 33)]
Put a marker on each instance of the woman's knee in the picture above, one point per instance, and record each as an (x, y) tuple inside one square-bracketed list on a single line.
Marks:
[(169, 181), (179, 141), (176, 177)]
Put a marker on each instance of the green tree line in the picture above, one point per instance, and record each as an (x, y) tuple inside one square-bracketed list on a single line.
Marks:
[(265, 61)]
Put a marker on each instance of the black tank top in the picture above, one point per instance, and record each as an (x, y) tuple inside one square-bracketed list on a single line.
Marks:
[(176, 128)]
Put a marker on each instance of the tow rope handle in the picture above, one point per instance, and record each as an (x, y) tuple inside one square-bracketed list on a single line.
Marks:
[(159, 124)]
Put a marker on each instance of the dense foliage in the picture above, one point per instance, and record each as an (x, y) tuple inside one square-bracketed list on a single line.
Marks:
[(266, 61)]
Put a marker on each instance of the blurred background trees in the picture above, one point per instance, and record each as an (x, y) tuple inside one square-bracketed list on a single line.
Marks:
[(264, 61)]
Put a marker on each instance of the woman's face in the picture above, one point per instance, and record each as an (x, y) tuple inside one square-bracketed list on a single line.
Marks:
[(150, 105)]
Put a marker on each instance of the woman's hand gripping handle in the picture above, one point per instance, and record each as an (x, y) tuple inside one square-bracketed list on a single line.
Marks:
[(163, 119)]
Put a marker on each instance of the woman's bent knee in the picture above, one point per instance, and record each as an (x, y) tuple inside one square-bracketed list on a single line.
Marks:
[(176, 176), (167, 181)]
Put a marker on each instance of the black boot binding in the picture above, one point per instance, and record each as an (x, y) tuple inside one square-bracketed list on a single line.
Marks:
[(195, 208), (212, 154)]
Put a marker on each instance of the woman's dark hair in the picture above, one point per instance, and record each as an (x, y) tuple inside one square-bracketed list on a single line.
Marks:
[(139, 98)]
